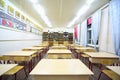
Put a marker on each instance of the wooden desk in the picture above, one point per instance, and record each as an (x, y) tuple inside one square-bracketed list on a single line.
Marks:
[(39, 50), (40, 46), (80, 50), (20, 56), (84, 49), (103, 58), (115, 69), (59, 53), (58, 47), (33, 48), (60, 69), (5, 67)]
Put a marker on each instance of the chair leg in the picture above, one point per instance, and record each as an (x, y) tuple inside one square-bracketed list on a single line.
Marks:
[(100, 75)]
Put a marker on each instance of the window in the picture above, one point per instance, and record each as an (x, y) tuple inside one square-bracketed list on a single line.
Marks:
[(89, 34)]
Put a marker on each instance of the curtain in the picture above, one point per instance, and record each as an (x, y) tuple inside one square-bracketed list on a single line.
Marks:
[(105, 35), (79, 34), (83, 39), (115, 23), (96, 18)]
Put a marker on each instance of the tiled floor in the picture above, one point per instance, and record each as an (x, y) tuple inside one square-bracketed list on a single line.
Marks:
[(21, 75)]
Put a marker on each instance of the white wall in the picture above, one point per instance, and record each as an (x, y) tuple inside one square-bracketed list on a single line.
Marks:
[(12, 40)]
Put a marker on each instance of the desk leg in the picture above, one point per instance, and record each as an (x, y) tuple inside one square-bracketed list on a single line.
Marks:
[(77, 55), (30, 65), (40, 56), (100, 67), (90, 65)]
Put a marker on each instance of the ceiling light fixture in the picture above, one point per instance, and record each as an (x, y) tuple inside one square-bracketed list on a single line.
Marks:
[(90, 2), (41, 11), (39, 8), (81, 12), (34, 1)]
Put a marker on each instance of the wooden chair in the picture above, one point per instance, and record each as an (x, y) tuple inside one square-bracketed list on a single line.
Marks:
[(112, 75), (15, 70)]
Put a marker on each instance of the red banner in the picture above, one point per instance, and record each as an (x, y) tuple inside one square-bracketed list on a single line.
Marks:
[(76, 32)]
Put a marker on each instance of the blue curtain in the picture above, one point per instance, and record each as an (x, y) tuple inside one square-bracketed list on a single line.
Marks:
[(84, 33), (115, 23), (96, 18)]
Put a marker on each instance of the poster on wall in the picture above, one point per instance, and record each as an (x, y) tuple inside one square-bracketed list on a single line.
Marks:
[(9, 21)]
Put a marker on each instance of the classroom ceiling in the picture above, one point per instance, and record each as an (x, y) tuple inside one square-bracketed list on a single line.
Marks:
[(59, 12)]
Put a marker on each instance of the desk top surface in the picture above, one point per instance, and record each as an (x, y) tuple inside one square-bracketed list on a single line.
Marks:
[(5, 67), (59, 51), (20, 53), (101, 55), (61, 67), (58, 47), (37, 48), (83, 48), (116, 69), (40, 46)]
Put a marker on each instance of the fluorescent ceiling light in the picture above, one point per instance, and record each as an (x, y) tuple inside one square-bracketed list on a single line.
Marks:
[(72, 22), (34, 1), (90, 2), (41, 11), (80, 12)]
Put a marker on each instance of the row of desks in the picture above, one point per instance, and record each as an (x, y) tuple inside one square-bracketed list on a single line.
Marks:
[(25, 55), (103, 58), (57, 69), (60, 69)]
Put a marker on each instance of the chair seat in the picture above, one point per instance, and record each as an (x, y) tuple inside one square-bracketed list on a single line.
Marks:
[(111, 74), (14, 70)]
